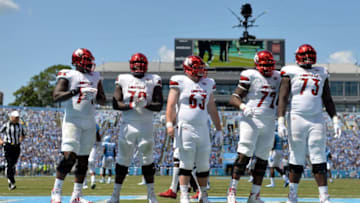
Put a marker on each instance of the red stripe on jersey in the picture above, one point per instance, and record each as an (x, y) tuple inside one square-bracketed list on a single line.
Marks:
[(244, 78), (61, 73), (282, 73), (173, 83)]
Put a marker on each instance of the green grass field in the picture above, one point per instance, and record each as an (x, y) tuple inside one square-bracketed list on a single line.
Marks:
[(41, 186)]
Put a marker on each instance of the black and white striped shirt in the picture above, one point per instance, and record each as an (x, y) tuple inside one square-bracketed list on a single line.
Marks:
[(12, 132)]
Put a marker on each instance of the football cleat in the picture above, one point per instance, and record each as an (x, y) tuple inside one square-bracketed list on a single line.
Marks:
[(270, 185), (168, 193), (55, 196), (292, 198), (196, 196), (79, 200), (254, 198), (325, 198), (231, 196), (184, 198), (93, 186), (204, 198), (12, 186)]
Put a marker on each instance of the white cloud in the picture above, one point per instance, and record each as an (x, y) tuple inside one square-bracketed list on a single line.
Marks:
[(166, 54), (7, 6), (342, 57)]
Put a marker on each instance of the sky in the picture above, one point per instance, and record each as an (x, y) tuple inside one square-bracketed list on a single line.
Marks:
[(35, 35)]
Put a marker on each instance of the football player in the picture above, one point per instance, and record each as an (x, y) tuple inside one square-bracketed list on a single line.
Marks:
[(79, 89), (275, 158), (259, 88), (308, 86), (108, 158), (137, 95), (193, 94), (92, 160)]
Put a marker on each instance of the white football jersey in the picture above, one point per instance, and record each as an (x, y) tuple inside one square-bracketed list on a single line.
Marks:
[(193, 98), (80, 105), (306, 88), (263, 91), (134, 88)]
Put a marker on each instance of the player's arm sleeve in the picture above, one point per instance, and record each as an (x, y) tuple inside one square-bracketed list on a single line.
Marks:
[(241, 90), (64, 74), (176, 82), (244, 81)]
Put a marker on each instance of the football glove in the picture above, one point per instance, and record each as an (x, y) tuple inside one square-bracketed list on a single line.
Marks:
[(88, 93), (219, 137), (337, 127), (282, 130), (247, 111)]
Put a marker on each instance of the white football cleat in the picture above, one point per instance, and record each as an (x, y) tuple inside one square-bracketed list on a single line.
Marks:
[(77, 198), (292, 198), (231, 196), (55, 196), (270, 185), (184, 198), (325, 198)]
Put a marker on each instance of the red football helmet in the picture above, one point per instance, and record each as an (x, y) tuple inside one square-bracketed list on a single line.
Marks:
[(194, 66), (305, 55), (265, 63), (138, 64), (83, 59)]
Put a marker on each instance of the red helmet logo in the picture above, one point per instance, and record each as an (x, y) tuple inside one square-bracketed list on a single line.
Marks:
[(138, 63), (83, 59), (265, 63), (305, 55), (194, 66)]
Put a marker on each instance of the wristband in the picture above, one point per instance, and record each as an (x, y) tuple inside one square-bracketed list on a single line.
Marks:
[(335, 119), (281, 120), (169, 125), (74, 92), (242, 106)]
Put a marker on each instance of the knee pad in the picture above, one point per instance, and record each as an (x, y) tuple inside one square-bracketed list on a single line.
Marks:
[(66, 164), (184, 172), (296, 168), (260, 167), (240, 164), (202, 174), (148, 170), (319, 168), (81, 166), (121, 170)]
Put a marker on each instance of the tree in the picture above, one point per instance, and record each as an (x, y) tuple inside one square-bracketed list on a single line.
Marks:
[(39, 90)]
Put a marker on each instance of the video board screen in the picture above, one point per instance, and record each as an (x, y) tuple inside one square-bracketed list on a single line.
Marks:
[(228, 53)]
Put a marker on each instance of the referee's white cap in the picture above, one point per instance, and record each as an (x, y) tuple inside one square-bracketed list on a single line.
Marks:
[(14, 114)]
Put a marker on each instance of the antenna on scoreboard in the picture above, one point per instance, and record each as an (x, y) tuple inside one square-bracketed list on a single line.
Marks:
[(246, 22)]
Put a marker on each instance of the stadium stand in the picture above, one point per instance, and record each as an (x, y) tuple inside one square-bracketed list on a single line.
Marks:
[(41, 148)]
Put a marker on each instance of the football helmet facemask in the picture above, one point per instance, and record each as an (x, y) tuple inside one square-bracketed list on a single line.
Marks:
[(138, 64), (84, 60), (305, 55), (195, 66), (265, 63)]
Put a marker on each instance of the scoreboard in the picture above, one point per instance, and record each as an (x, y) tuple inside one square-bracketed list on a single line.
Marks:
[(228, 53)]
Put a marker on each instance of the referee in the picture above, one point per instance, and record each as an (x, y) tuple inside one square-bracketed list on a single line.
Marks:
[(13, 133)]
